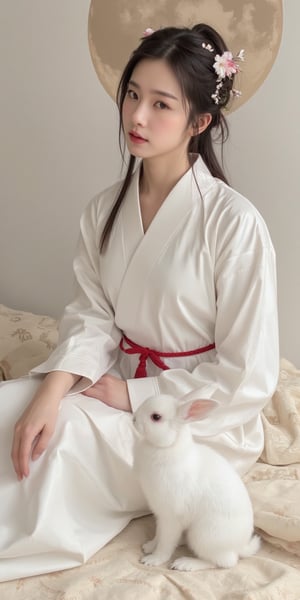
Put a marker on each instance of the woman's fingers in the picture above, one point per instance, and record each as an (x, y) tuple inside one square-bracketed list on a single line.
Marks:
[(31, 437), (21, 450), (95, 391), (29, 445), (41, 443), (111, 391), (25, 447), (15, 454)]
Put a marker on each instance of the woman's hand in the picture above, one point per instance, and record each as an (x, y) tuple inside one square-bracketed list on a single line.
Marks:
[(36, 425), (32, 433), (112, 391)]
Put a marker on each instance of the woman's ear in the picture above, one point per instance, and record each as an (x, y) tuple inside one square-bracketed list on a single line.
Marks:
[(201, 123)]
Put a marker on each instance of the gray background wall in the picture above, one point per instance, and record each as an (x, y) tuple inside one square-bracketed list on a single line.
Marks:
[(59, 147)]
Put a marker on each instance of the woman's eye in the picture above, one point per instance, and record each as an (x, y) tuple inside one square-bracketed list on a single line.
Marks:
[(161, 105), (132, 94)]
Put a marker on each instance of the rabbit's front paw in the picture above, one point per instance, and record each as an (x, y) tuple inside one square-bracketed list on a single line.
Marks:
[(149, 546), (152, 560)]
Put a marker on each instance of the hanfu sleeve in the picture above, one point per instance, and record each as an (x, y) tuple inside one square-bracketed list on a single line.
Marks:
[(88, 336), (244, 373)]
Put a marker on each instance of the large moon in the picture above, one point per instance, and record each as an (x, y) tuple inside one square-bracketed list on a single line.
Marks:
[(115, 28)]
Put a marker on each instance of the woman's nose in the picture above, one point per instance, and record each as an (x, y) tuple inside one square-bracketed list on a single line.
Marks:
[(139, 116)]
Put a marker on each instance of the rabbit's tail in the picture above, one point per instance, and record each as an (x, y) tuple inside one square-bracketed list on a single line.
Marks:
[(251, 548)]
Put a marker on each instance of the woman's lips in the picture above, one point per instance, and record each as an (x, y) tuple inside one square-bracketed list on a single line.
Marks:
[(137, 139)]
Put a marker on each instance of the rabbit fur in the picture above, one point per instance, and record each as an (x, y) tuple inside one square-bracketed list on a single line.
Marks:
[(190, 488)]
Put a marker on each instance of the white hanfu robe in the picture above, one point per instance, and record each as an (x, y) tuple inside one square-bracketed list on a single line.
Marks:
[(204, 272)]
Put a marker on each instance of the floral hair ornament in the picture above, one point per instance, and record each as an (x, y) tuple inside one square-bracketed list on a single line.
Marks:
[(148, 32), (207, 47), (225, 65)]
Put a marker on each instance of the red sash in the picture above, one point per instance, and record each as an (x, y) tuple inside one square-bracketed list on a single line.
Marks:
[(154, 355)]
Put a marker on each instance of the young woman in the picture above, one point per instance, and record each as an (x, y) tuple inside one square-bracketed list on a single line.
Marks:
[(176, 293)]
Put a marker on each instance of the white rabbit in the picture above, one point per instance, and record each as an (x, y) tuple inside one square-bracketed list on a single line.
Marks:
[(190, 488)]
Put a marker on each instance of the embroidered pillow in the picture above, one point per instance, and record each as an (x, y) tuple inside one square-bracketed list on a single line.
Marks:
[(26, 339)]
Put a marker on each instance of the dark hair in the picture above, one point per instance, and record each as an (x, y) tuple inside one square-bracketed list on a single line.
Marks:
[(192, 63)]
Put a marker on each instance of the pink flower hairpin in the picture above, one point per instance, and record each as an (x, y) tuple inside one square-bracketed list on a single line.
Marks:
[(148, 32), (225, 65)]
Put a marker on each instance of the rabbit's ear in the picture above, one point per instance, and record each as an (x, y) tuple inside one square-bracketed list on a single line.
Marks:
[(196, 410)]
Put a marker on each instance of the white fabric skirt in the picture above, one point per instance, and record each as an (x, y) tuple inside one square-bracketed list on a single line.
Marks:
[(80, 493)]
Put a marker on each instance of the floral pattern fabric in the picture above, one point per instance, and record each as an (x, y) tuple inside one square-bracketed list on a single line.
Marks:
[(26, 340)]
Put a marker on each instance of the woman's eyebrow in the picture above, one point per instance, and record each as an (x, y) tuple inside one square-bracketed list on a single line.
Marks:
[(160, 92)]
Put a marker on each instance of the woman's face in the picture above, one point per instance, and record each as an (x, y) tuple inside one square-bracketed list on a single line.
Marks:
[(153, 115)]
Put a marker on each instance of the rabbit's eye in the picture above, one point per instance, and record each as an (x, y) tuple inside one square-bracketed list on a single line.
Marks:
[(155, 417)]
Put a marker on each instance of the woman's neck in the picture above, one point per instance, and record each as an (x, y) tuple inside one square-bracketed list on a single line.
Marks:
[(158, 177)]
